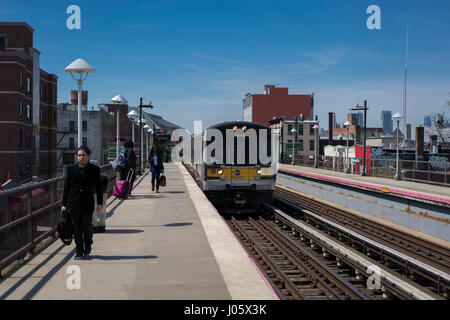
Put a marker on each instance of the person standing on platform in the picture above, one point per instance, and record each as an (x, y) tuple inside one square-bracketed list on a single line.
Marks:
[(156, 167), (81, 181), (130, 165)]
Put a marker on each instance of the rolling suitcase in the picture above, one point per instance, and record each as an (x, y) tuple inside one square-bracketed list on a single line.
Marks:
[(122, 188)]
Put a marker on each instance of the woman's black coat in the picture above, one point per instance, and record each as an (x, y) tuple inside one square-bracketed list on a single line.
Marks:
[(79, 189)]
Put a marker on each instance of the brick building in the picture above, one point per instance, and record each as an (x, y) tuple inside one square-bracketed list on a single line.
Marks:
[(28, 102), (277, 102), (306, 138)]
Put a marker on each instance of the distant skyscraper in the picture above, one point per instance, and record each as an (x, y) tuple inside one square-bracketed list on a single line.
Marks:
[(386, 121), (427, 121), (361, 119)]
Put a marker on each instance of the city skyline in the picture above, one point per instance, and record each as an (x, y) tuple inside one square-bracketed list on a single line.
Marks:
[(197, 61)]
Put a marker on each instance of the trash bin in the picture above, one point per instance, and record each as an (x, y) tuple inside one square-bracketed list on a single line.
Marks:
[(99, 217)]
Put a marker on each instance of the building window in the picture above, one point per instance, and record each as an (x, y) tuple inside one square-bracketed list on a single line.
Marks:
[(300, 145), (311, 130), (20, 109), (84, 125), (311, 145), (21, 80), (300, 129), (20, 168), (71, 143), (20, 138), (72, 126), (28, 85), (28, 111), (84, 142), (28, 167), (3, 41), (289, 128), (28, 140)]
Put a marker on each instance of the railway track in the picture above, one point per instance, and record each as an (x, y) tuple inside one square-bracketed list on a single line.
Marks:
[(430, 263), (296, 269)]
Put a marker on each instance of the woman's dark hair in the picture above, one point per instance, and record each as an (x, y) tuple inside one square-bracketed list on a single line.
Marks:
[(85, 149), (128, 144)]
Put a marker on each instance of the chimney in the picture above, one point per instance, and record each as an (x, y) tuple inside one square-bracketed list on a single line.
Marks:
[(74, 97), (419, 143), (408, 131), (330, 127), (434, 143)]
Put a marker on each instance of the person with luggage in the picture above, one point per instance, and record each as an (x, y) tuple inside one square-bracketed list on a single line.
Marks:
[(81, 181), (156, 167), (130, 163)]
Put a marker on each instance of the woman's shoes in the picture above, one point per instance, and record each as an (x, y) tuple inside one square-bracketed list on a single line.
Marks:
[(157, 190)]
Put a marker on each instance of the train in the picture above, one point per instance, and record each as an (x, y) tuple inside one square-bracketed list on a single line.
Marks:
[(237, 167)]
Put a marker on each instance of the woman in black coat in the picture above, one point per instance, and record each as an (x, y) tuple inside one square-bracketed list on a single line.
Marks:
[(156, 167), (82, 179)]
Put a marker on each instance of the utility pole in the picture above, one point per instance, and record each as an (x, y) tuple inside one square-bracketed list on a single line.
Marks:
[(140, 132)]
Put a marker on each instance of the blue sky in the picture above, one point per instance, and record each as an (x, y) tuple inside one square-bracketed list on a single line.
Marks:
[(195, 60)]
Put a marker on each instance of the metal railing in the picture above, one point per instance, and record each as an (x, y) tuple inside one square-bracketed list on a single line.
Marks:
[(30, 213), (431, 172)]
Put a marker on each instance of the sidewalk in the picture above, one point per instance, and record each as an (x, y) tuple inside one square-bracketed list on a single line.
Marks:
[(154, 247)]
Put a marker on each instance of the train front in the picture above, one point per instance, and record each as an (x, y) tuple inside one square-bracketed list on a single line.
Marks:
[(239, 171)]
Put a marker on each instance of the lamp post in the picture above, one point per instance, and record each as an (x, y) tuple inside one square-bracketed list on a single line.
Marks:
[(132, 115), (293, 131), (118, 100), (150, 131), (397, 118), (82, 68), (360, 108), (347, 124), (316, 144), (146, 128), (140, 128)]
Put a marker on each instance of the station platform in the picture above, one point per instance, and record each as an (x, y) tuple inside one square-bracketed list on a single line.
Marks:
[(171, 245), (414, 208), (434, 194)]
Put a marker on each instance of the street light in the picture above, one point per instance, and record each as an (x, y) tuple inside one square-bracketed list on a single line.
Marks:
[(82, 68), (293, 131), (316, 144), (140, 129), (146, 128), (132, 115), (118, 100), (397, 118), (359, 108), (347, 124)]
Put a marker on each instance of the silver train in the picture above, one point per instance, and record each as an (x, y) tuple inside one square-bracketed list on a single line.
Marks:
[(236, 185)]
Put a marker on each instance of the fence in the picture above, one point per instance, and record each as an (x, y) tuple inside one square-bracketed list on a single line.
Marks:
[(30, 213), (432, 172)]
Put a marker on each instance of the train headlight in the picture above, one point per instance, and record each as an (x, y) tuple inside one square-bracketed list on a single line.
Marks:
[(259, 172), (220, 172), (213, 171)]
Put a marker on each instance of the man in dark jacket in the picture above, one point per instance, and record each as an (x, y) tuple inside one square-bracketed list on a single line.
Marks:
[(78, 199), (130, 165), (156, 167)]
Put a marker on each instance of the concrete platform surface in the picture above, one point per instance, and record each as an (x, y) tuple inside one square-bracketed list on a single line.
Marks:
[(167, 245), (416, 190)]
